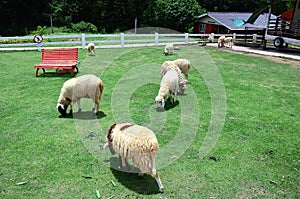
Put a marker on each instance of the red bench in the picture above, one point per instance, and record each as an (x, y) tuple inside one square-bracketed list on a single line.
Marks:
[(60, 59)]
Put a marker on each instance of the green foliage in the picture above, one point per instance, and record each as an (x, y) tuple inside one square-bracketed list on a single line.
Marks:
[(84, 27), (174, 14), (40, 30)]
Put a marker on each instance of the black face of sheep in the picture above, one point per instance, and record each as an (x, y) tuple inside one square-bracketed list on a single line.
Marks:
[(62, 109)]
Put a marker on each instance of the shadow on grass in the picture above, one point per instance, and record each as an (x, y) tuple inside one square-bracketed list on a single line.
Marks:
[(169, 105), (145, 185), (54, 74), (87, 115)]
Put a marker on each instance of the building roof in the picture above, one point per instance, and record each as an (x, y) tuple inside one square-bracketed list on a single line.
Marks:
[(226, 19)]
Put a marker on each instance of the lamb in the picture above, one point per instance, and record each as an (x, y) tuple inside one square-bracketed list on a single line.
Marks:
[(228, 41), (168, 86), (169, 65), (184, 65), (169, 48), (137, 143), (221, 41), (91, 49), (85, 86)]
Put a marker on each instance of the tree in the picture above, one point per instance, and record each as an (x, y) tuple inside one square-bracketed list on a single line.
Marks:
[(174, 14)]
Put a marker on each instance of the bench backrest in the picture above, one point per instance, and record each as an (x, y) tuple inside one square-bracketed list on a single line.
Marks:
[(63, 54)]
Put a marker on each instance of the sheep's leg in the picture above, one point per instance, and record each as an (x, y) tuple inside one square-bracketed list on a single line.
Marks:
[(79, 106), (96, 107), (123, 163), (175, 94), (157, 178)]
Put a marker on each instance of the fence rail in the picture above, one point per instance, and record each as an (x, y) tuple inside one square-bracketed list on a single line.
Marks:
[(120, 40)]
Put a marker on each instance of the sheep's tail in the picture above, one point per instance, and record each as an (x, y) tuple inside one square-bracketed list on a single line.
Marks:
[(101, 86)]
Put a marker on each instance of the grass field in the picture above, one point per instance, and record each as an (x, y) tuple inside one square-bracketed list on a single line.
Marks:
[(235, 134)]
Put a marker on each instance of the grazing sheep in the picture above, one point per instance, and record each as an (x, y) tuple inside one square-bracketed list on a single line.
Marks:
[(168, 87), (85, 86), (91, 49), (169, 65), (169, 48), (137, 143), (228, 41), (221, 41), (184, 65)]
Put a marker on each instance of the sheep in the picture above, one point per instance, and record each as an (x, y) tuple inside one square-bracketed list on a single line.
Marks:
[(184, 65), (221, 41), (91, 49), (169, 65), (169, 48), (228, 41), (137, 143), (85, 86), (168, 86)]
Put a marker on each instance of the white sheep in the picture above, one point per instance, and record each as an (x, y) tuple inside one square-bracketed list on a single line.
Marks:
[(184, 65), (169, 65), (137, 143), (221, 41), (85, 86), (91, 49), (168, 87), (228, 41), (169, 48)]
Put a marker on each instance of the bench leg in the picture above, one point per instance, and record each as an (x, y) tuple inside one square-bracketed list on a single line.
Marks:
[(37, 72), (72, 72)]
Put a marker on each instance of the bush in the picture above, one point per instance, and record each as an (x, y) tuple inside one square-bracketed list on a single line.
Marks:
[(84, 27), (40, 30)]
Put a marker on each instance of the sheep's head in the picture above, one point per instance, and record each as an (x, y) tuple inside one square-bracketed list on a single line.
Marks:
[(166, 52), (160, 102), (182, 86), (62, 106), (62, 109)]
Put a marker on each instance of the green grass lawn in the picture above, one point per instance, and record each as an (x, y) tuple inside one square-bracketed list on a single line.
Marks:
[(235, 134)]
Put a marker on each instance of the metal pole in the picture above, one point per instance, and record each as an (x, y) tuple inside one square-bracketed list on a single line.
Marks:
[(268, 22), (51, 22), (135, 25)]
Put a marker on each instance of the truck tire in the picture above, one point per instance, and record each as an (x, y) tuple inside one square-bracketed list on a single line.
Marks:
[(278, 42)]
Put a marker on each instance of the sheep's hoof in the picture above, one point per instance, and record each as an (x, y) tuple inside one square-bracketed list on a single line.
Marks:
[(79, 110), (161, 190)]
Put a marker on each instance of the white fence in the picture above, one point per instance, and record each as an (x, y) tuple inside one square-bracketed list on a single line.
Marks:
[(117, 40)]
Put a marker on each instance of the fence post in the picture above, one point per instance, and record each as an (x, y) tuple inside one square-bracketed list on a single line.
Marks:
[(212, 37), (83, 41), (156, 39), (254, 38), (122, 40), (233, 37), (186, 38)]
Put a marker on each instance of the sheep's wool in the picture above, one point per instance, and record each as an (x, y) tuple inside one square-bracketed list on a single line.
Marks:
[(137, 143)]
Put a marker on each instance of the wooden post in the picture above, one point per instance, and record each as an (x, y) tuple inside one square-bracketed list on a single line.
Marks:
[(122, 40), (186, 38), (233, 37), (212, 37), (254, 38), (83, 41), (156, 39)]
